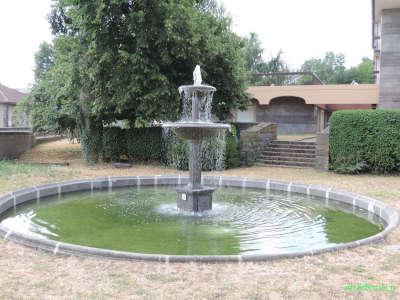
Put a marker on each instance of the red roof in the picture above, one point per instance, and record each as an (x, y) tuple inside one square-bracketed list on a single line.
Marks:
[(10, 96)]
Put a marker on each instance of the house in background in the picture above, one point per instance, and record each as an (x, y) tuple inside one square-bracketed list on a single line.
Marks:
[(8, 100), (386, 45)]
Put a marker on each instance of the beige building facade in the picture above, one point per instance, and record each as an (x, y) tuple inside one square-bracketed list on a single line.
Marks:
[(301, 109)]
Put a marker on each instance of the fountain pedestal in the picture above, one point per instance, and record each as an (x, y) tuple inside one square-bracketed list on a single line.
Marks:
[(196, 200)]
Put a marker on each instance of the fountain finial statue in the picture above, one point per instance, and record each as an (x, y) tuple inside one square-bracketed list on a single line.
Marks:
[(197, 76)]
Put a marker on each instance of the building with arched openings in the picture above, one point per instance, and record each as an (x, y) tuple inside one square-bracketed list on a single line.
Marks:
[(307, 108), (304, 108)]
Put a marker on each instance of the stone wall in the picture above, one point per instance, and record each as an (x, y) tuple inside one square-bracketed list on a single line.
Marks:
[(322, 151), (261, 134), (14, 142), (292, 115), (389, 92)]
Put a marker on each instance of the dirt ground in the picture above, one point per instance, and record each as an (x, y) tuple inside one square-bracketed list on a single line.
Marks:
[(29, 273)]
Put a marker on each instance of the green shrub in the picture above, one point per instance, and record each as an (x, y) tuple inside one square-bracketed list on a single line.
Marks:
[(114, 144), (365, 141), (134, 144), (250, 154), (232, 153), (145, 144), (151, 144), (212, 154), (176, 151)]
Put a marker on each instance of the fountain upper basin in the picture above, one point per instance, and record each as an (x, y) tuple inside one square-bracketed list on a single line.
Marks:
[(197, 88), (196, 130)]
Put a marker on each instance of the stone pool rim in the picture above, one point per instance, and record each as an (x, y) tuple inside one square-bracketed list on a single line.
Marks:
[(10, 200)]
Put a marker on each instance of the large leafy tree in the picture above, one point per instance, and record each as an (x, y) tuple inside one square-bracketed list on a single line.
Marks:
[(329, 69), (363, 73), (256, 64), (124, 60), (332, 70)]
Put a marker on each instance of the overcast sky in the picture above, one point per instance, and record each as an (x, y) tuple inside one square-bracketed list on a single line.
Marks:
[(301, 29)]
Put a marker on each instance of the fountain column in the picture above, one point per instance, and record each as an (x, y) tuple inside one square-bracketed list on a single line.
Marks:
[(195, 163)]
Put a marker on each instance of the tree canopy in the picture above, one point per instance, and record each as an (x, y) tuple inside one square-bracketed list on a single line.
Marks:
[(332, 70), (124, 60), (256, 64)]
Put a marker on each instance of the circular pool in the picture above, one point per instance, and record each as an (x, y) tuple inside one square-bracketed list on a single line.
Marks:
[(136, 218)]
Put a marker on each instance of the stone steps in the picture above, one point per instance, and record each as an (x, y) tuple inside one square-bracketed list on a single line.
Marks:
[(281, 163), (289, 154), (260, 164), (288, 158), (292, 143), (288, 146)]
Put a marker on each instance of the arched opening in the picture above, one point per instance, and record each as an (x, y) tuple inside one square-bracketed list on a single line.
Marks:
[(292, 115)]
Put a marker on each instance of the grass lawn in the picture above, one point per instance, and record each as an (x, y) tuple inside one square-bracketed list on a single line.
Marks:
[(28, 273)]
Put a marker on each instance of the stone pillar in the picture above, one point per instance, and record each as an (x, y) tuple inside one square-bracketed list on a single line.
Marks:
[(389, 86), (322, 151), (195, 164)]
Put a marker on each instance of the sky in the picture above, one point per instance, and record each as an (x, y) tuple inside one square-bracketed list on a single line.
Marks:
[(301, 29)]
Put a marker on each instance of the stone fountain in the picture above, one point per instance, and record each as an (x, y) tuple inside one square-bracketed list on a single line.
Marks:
[(195, 126)]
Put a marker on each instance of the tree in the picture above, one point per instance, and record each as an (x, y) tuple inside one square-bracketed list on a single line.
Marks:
[(252, 52), (124, 60), (44, 60), (332, 70), (56, 88), (255, 63), (363, 73)]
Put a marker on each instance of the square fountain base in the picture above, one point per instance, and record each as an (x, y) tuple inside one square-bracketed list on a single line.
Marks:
[(196, 200)]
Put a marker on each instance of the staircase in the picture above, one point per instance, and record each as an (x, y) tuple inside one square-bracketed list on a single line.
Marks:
[(289, 154)]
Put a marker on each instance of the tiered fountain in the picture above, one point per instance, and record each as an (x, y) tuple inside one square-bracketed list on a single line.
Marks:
[(255, 219), (195, 126)]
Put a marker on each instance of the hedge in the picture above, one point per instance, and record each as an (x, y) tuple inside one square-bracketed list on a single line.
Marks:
[(153, 144), (232, 150), (212, 154), (365, 141), (136, 144)]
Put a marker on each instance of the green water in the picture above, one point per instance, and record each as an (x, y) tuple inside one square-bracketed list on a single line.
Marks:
[(145, 220)]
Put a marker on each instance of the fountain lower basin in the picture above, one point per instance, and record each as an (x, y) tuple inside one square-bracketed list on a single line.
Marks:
[(38, 194)]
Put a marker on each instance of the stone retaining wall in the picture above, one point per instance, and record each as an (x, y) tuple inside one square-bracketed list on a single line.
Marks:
[(260, 134), (322, 151), (14, 142)]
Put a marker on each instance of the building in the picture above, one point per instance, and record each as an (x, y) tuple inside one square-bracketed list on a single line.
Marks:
[(386, 45), (8, 100), (306, 109)]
